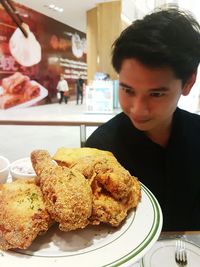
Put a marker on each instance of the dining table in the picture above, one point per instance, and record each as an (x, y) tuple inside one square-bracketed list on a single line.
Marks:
[(192, 237)]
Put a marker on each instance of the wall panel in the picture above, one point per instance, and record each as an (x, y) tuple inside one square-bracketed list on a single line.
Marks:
[(105, 29)]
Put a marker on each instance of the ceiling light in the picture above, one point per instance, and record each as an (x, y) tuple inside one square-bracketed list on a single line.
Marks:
[(52, 6), (55, 8)]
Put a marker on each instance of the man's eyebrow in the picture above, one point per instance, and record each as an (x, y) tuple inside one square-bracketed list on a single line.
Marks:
[(162, 88), (126, 86)]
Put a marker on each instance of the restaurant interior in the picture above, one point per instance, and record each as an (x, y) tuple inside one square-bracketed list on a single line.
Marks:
[(74, 38)]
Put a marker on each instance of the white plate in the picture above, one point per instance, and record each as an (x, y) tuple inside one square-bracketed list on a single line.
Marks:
[(95, 246), (43, 93), (162, 254)]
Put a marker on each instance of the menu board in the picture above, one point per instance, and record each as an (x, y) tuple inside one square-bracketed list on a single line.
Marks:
[(99, 97)]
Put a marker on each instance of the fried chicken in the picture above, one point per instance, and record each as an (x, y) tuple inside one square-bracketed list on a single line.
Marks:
[(69, 156), (22, 214), (97, 164), (66, 192), (114, 190)]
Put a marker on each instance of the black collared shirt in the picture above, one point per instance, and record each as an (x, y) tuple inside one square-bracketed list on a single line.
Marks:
[(172, 173)]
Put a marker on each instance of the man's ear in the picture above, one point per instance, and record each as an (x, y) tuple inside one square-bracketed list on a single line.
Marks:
[(188, 85)]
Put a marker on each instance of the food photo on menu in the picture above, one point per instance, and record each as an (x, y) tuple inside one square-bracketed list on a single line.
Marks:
[(25, 50), (17, 89)]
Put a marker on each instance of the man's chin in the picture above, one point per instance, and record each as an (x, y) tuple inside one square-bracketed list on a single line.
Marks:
[(142, 126)]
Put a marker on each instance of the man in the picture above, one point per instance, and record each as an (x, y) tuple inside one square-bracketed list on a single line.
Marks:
[(63, 89), (157, 59), (79, 90)]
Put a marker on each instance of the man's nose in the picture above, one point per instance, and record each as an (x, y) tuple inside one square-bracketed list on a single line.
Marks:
[(139, 106)]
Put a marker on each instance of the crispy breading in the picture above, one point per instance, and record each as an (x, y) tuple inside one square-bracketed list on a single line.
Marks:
[(107, 210), (100, 165), (111, 183), (109, 173), (67, 193), (113, 211), (70, 156), (23, 214)]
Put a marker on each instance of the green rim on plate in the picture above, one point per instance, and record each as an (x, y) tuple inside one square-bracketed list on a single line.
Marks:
[(156, 224)]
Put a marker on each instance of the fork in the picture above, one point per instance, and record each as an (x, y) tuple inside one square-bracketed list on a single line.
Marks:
[(180, 253)]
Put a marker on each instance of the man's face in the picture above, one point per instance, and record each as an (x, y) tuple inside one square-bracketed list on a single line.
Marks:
[(149, 96)]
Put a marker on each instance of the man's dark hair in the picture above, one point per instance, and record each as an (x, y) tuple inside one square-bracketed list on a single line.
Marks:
[(168, 37)]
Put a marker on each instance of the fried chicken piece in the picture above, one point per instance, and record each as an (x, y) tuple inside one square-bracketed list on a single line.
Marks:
[(23, 214), (114, 190), (70, 156), (109, 210), (67, 193), (100, 165)]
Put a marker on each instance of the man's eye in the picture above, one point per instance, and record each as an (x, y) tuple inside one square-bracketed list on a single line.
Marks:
[(157, 94), (127, 90)]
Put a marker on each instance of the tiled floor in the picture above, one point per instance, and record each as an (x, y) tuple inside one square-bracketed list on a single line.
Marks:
[(18, 141)]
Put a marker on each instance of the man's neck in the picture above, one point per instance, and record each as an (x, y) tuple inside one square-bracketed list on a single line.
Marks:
[(160, 140), (160, 136)]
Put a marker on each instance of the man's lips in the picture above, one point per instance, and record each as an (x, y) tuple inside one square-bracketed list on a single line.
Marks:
[(140, 120)]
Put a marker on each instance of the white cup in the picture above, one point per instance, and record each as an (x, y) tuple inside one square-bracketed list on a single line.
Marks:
[(4, 169)]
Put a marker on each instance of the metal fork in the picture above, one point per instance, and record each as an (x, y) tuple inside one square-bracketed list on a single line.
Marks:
[(180, 253)]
